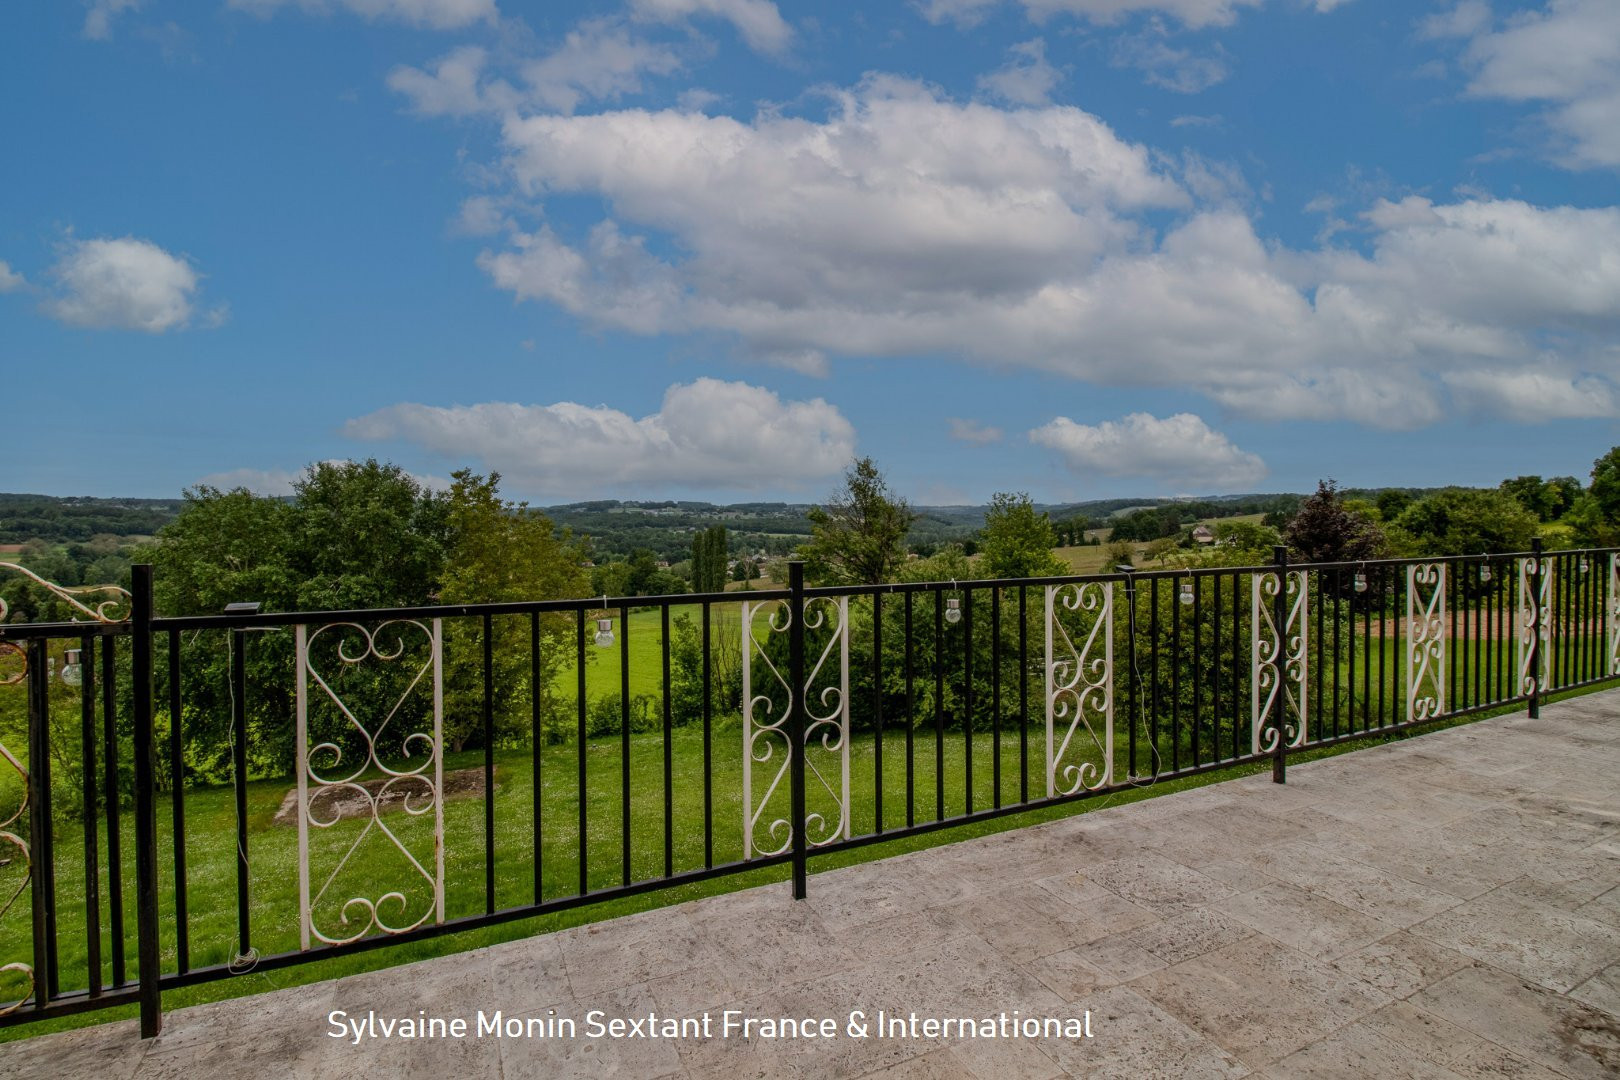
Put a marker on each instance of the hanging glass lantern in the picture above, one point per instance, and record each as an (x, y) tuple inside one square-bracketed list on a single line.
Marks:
[(72, 669), (1187, 593), (604, 632), (1485, 572), (1584, 564), (953, 610), (1361, 581)]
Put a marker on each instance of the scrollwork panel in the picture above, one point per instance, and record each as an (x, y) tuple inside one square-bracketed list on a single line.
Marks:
[(1079, 687), (768, 749), (370, 779), (1279, 660)]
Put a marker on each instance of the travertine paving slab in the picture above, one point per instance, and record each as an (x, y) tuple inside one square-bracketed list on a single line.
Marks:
[(1260, 1000), (1552, 947), (1550, 1029)]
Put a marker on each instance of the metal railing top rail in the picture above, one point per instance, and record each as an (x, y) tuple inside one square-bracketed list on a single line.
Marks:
[(242, 621)]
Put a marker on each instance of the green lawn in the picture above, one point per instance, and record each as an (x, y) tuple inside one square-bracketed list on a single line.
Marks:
[(603, 665)]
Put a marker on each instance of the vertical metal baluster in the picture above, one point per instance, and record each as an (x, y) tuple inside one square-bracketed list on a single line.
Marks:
[(1175, 675), (489, 765), (967, 700), (1215, 669), (624, 743), (995, 695), (41, 857), (939, 705), (911, 723), (796, 727), (1338, 617), (708, 746), (115, 859), (1383, 582), (146, 870), (1238, 650), (1023, 694), (1197, 668), (1320, 610), (1155, 704), (536, 750), (580, 739), (877, 712), (244, 937), (669, 756), (92, 869), (177, 807)]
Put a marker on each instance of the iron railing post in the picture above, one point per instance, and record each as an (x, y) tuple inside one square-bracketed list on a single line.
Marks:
[(1536, 617), (38, 794), (1278, 719), (146, 885), (796, 722)]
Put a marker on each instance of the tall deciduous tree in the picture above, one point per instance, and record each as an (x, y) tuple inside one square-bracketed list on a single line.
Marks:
[(709, 560), (1018, 539), (499, 551), (1462, 521), (859, 536)]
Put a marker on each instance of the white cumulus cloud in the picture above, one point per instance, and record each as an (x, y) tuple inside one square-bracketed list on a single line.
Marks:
[(708, 435), (758, 21), (1567, 54), (600, 59), (1178, 451), (973, 432), (9, 278), (123, 284), (434, 14), (903, 223), (98, 21), (1026, 78)]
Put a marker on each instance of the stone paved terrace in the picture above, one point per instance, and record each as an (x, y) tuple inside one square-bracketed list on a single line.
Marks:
[(1445, 906)]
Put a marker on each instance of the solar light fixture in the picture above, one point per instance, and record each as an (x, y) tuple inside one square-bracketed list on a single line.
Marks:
[(1485, 572), (72, 669), (1361, 581), (604, 632), (1187, 593), (953, 608)]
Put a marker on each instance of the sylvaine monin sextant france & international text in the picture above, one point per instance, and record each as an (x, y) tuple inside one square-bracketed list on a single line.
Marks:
[(729, 1024)]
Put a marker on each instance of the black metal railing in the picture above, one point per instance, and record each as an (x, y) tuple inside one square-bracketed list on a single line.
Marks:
[(175, 812)]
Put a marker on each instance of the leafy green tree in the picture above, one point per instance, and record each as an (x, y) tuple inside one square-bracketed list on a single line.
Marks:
[(709, 560), (859, 536), (365, 534), (498, 552), (1464, 521), (1018, 540), (1549, 500), (1391, 501)]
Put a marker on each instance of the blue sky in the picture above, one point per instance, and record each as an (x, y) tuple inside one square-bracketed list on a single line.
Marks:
[(715, 248)]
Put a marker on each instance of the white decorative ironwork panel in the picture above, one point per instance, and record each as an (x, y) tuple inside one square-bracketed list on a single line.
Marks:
[(1079, 687), (19, 864), (329, 793), (1611, 613), (1534, 624), (1279, 660), (1425, 640), (765, 728)]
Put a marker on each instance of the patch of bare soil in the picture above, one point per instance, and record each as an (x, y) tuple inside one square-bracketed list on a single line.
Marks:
[(348, 801)]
